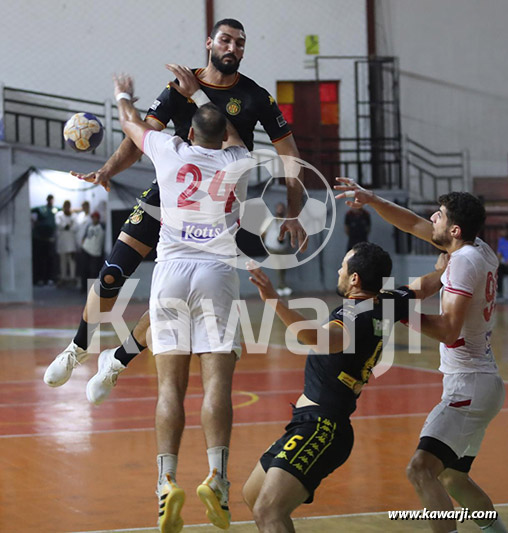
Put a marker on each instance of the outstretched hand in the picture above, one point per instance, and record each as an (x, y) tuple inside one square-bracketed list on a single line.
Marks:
[(187, 82), (351, 189), (99, 177), (262, 282), (296, 233), (123, 84)]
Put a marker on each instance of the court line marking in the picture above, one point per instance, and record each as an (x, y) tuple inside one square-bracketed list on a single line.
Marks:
[(245, 522), (197, 374), (45, 333), (251, 399), (200, 395), (198, 426)]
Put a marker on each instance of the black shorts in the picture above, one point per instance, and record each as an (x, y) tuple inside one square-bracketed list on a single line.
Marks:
[(144, 224), (314, 445), (445, 454)]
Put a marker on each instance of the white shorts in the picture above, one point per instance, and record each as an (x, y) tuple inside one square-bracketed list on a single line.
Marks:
[(193, 308), (469, 402)]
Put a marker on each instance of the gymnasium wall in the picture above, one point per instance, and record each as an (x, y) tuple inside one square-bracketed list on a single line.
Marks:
[(276, 43), (452, 57), (72, 48), (453, 65)]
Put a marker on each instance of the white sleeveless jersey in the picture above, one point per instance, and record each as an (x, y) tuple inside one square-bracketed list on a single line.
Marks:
[(472, 272), (200, 192)]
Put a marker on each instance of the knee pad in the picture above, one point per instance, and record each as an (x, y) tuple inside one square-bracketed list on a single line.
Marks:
[(119, 266)]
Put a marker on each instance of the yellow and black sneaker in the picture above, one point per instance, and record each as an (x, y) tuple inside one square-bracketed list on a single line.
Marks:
[(171, 500), (214, 493)]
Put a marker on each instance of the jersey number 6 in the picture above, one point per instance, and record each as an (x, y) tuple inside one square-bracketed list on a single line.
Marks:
[(292, 443)]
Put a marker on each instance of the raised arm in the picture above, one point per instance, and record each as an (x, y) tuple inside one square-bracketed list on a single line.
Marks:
[(131, 122), (398, 216), (294, 179), (337, 337), (123, 158), (189, 87)]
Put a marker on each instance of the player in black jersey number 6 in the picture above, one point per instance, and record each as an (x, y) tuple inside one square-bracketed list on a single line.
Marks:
[(319, 437)]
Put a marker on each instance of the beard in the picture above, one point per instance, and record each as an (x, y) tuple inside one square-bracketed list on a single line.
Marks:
[(441, 240), (225, 68), (341, 291)]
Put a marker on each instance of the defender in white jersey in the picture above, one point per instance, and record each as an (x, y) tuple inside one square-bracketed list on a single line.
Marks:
[(192, 286), (473, 391), (472, 273), (200, 189)]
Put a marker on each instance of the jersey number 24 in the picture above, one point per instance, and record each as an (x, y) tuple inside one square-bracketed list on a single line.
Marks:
[(184, 199)]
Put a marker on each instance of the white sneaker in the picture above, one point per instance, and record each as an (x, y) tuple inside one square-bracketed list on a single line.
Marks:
[(280, 292), (60, 370), (99, 387), (214, 493), (171, 500), (287, 291)]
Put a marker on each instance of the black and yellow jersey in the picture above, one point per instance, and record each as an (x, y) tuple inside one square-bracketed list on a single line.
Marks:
[(243, 102), (334, 381)]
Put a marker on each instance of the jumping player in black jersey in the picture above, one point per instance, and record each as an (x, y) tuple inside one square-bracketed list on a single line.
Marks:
[(244, 103), (319, 437)]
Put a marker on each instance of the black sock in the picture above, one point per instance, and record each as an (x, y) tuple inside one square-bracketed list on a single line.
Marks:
[(84, 334), (129, 349)]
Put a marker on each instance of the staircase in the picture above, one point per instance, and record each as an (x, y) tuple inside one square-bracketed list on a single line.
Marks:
[(429, 174)]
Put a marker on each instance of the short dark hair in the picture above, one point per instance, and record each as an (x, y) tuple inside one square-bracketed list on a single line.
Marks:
[(371, 263), (466, 211), (209, 123), (232, 23)]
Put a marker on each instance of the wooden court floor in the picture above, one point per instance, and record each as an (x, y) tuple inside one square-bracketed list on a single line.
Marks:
[(67, 466)]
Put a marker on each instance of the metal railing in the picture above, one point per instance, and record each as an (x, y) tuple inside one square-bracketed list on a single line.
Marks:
[(37, 119), (352, 157), (429, 174)]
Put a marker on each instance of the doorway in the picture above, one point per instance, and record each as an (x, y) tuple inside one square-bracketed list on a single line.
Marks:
[(312, 110)]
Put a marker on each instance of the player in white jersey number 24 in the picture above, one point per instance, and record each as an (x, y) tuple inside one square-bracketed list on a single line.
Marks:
[(200, 191)]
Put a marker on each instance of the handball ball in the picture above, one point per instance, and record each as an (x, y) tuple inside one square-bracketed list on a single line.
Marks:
[(83, 132)]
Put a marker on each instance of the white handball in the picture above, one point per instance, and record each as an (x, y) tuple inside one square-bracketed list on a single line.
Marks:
[(83, 132)]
